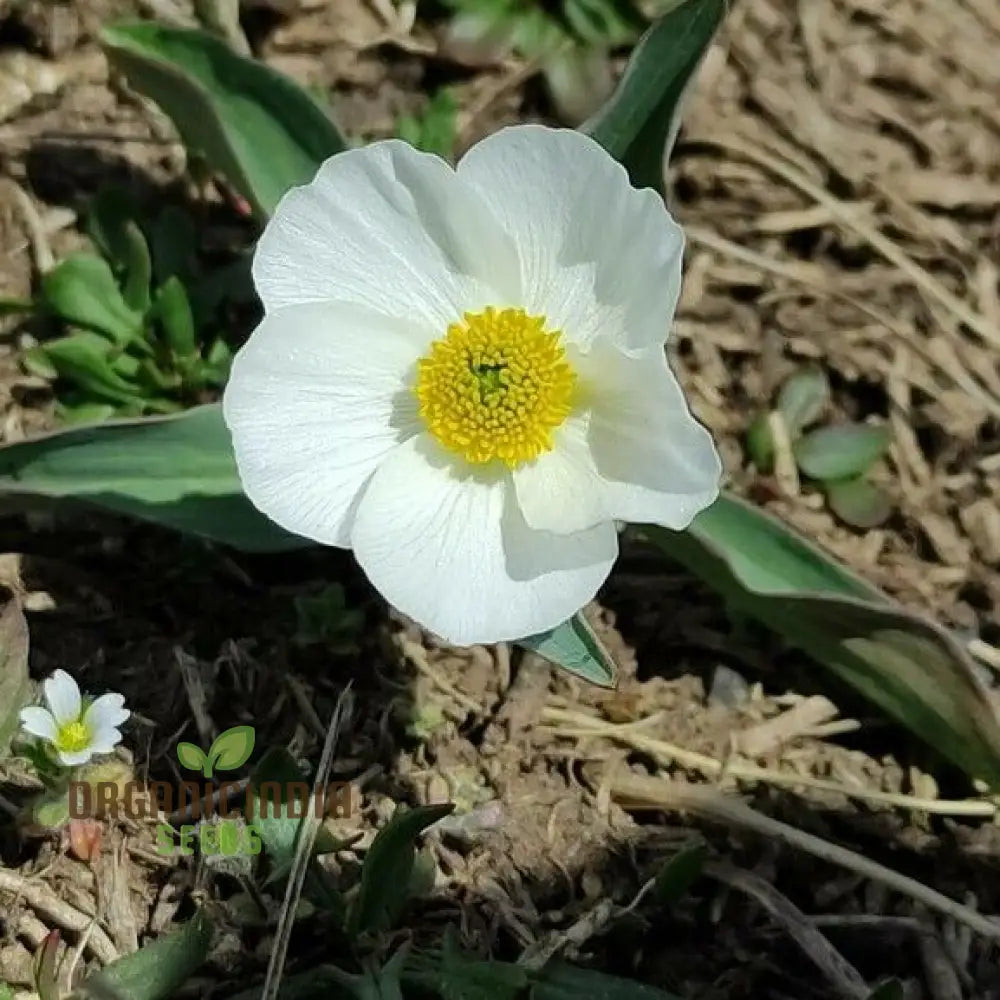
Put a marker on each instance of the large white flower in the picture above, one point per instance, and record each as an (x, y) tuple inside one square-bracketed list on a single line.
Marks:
[(75, 732), (460, 375)]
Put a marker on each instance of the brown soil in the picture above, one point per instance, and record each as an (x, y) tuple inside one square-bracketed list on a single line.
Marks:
[(838, 166)]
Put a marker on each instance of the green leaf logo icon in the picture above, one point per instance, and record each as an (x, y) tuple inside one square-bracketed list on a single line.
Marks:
[(231, 749)]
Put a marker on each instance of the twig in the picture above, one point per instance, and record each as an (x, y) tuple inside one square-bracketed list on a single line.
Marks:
[(640, 792), (417, 655), (44, 259), (928, 284), (845, 978), (589, 725), (303, 850), (41, 899)]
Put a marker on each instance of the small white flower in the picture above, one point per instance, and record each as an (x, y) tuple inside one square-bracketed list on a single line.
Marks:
[(460, 375), (75, 733)]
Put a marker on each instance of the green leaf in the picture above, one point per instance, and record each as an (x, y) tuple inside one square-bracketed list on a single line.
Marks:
[(640, 121), (680, 873), (87, 359), (858, 503), (81, 289), (803, 398), (175, 471), (191, 756), (436, 129), (760, 443), (111, 225), (157, 970), (559, 981), (257, 127), (891, 989), (575, 647), (232, 748), (51, 810), (904, 663), (387, 868), (174, 311), (15, 688), (277, 817), (6, 993), (841, 452), (465, 977), (11, 307)]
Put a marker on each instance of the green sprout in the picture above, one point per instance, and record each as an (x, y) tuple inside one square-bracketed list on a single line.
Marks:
[(836, 457), (435, 129), (134, 319)]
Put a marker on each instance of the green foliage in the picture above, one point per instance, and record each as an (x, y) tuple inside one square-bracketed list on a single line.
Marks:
[(836, 457), (257, 127), (131, 345), (680, 873), (575, 647), (435, 129), (388, 869), (157, 970), (569, 40), (325, 619), (912, 668)]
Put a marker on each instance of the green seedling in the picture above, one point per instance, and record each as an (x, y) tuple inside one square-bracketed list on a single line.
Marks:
[(325, 619), (230, 750), (835, 457), (435, 129), (570, 41), (135, 321)]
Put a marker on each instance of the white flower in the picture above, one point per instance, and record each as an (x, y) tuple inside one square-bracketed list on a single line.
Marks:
[(75, 733), (460, 375)]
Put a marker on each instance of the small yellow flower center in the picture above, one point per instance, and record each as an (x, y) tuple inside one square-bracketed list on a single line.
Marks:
[(73, 737), (496, 386)]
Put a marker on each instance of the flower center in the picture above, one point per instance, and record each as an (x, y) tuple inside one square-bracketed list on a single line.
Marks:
[(73, 737), (496, 387)]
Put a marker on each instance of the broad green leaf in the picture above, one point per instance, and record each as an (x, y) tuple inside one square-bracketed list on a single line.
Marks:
[(387, 868), (253, 124), (138, 268), (575, 647), (81, 289), (802, 399), (680, 873), (175, 471), (559, 981), (51, 810), (191, 756), (466, 977), (14, 684), (858, 502), (904, 663), (111, 224), (841, 452), (232, 748), (157, 970), (640, 121)]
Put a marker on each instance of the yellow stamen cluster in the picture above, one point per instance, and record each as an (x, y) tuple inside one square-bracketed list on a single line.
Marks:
[(73, 737), (496, 387)]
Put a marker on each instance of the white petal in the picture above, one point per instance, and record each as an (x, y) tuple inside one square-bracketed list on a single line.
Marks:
[(598, 257), (39, 722), (105, 740), (107, 711), (446, 545), (638, 455), (73, 759), (316, 398), (63, 697), (390, 228)]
